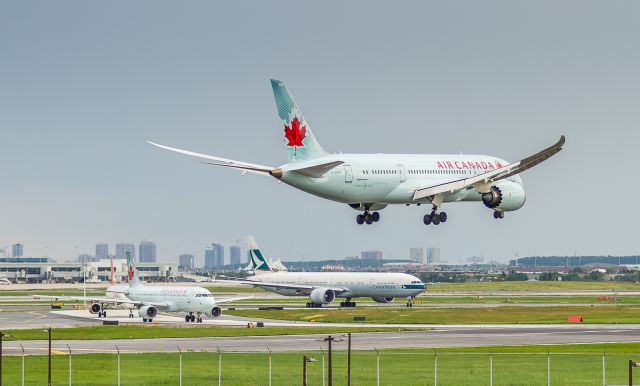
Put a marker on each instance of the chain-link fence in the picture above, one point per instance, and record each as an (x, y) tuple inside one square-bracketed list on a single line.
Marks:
[(227, 367)]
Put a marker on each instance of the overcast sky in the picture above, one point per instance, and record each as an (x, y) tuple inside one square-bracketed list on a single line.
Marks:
[(84, 84)]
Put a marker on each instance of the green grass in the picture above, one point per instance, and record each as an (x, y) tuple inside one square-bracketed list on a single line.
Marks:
[(534, 286), (570, 365), (613, 314), (151, 332), (52, 292), (490, 299)]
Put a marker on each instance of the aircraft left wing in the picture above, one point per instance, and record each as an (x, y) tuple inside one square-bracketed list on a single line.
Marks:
[(234, 299), (101, 300), (219, 161), (492, 176), (301, 287)]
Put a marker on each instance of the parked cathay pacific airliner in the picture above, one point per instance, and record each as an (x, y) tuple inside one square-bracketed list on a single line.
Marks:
[(370, 182), (150, 299), (325, 287)]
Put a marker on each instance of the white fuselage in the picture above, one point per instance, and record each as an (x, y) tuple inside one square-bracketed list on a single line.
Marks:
[(391, 178), (177, 298), (357, 284)]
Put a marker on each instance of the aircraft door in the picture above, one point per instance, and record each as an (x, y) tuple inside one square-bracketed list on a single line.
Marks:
[(402, 172), (348, 174)]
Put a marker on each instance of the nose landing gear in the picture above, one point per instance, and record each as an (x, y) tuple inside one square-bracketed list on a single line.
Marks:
[(434, 217), (498, 214)]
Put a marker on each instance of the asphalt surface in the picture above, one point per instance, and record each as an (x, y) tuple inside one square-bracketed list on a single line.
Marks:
[(442, 336)]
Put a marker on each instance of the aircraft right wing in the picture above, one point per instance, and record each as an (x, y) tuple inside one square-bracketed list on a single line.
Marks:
[(491, 176), (303, 288), (101, 300), (219, 161)]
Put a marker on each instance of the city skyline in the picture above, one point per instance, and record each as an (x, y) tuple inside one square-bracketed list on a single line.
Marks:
[(85, 86)]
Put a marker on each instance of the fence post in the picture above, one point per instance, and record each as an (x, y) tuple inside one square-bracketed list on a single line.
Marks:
[(269, 365), (118, 361), (321, 349), (548, 369), (21, 347), (604, 370), (491, 369), (180, 365), (69, 364), (435, 368), (219, 366), (377, 367)]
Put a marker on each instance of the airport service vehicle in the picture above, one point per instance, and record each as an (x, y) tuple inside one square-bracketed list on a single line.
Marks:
[(370, 182), (325, 287), (150, 300)]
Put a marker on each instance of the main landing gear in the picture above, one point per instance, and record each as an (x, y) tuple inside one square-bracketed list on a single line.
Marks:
[(410, 301), (102, 314), (314, 305), (434, 217), (498, 214), (367, 217), (348, 303), (192, 318)]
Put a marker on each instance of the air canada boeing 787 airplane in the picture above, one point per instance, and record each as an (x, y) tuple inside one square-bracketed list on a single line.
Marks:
[(370, 182)]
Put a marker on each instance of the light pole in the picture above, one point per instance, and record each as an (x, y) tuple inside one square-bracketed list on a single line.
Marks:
[(1, 336), (349, 361), (330, 339)]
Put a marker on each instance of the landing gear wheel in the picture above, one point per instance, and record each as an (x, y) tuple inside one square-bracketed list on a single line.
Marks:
[(193, 318), (436, 220), (368, 218), (375, 216), (360, 219), (144, 320), (498, 215), (187, 319), (427, 219), (104, 314), (443, 216)]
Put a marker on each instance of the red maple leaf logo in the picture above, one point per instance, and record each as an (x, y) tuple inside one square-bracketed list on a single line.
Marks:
[(130, 273), (295, 134), (499, 164)]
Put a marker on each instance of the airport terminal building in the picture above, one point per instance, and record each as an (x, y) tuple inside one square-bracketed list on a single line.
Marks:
[(45, 270)]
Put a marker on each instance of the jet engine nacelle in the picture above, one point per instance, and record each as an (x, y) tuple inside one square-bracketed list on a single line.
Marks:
[(382, 300), (322, 296), (214, 313), (148, 312), (504, 196), (95, 308)]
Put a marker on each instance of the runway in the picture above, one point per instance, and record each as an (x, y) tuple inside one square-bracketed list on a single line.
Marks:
[(440, 337)]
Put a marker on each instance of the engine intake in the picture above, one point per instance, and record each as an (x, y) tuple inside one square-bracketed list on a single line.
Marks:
[(322, 296), (95, 308), (148, 312), (504, 196), (382, 300), (214, 313)]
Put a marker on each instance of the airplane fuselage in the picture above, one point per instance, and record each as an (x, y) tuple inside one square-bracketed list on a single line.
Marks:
[(358, 284), (177, 298), (391, 178)]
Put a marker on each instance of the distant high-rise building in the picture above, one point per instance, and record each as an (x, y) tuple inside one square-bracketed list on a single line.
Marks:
[(123, 248), (214, 256), (102, 251), (371, 255), (417, 254), (433, 255), (147, 252), (234, 254), (86, 258), (17, 250), (186, 262)]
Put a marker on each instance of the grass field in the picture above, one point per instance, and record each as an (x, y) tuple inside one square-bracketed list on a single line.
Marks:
[(612, 314), (534, 286), (150, 332), (570, 365)]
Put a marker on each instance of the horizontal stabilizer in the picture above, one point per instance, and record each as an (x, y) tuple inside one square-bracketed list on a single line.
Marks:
[(317, 171)]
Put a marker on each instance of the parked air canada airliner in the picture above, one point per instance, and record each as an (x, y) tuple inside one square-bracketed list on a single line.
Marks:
[(150, 299), (370, 182), (324, 287)]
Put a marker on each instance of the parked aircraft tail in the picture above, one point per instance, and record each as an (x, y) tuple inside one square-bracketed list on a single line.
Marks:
[(132, 271), (258, 261), (299, 141), (113, 273)]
